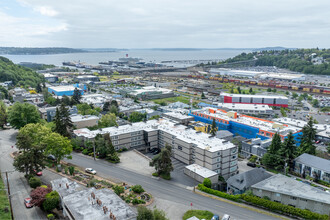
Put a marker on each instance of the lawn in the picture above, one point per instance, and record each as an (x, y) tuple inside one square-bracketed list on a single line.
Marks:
[(201, 214), (172, 99), (120, 76), (4, 202)]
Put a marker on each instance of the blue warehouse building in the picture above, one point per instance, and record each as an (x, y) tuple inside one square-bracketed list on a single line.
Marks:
[(245, 126), (66, 90)]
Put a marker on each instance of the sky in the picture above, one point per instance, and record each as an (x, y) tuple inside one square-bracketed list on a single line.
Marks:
[(165, 23)]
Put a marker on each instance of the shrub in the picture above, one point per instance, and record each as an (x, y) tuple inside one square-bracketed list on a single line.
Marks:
[(200, 214), (50, 216), (144, 213), (136, 201), (137, 189), (159, 214), (34, 182), (71, 170), (155, 174), (92, 182), (44, 186), (207, 183), (118, 189), (166, 176), (85, 151), (52, 201), (236, 198)]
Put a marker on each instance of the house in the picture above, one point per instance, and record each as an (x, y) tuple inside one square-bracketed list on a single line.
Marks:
[(255, 146), (239, 183), (199, 173), (288, 191), (316, 167)]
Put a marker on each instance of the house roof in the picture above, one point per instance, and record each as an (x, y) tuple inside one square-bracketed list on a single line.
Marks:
[(289, 186), (315, 162), (245, 180)]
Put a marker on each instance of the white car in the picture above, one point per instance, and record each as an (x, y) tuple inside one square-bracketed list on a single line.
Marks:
[(90, 170), (225, 217)]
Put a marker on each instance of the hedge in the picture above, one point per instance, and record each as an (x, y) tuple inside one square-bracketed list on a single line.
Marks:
[(270, 205), (279, 207), (236, 198)]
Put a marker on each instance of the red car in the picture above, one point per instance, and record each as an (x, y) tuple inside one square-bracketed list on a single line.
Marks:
[(39, 173), (27, 203)]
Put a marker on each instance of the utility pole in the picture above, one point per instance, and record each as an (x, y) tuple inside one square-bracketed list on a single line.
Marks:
[(9, 196)]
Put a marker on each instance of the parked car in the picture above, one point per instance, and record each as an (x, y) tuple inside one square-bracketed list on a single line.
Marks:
[(90, 170), (251, 164), (27, 203), (225, 217), (152, 150), (215, 217), (157, 151), (38, 173), (318, 141), (51, 157)]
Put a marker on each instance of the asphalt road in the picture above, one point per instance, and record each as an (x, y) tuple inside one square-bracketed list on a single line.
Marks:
[(19, 187), (172, 192)]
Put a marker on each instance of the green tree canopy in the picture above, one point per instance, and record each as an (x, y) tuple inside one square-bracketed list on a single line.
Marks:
[(3, 114), (108, 120), (162, 162), (58, 146), (21, 114), (136, 117)]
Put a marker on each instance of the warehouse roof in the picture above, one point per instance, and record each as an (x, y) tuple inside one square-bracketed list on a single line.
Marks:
[(178, 115), (314, 161), (236, 106), (63, 88), (289, 186), (255, 96)]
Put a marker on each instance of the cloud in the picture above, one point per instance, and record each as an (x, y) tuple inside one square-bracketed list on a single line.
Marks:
[(172, 23), (45, 10)]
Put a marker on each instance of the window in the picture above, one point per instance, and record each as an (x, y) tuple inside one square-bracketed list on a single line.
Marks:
[(218, 153), (218, 159), (115, 142), (233, 157), (218, 165), (179, 147), (277, 195), (293, 198), (234, 151)]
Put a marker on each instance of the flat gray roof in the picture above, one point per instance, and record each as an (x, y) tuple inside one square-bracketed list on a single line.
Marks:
[(291, 187)]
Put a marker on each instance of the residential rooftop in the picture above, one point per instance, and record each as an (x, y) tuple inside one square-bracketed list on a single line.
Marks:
[(78, 118), (177, 115), (201, 171), (300, 123), (201, 140), (314, 161), (289, 186)]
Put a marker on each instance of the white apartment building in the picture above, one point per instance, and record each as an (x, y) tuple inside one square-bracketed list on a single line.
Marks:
[(188, 145)]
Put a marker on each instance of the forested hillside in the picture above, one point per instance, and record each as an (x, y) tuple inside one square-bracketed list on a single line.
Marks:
[(20, 75), (309, 61), (38, 51)]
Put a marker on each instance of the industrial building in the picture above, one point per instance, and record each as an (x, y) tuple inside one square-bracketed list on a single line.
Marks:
[(86, 78), (50, 77), (282, 76), (79, 203), (243, 125), (188, 146), (279, 101), (199, 173), (288, 191), (313, 166), (251, 109), (66, 90), (234, 73), (151, 92)]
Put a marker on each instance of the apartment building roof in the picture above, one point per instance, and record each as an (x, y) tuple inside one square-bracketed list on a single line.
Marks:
[(201, 171), (178, 115), (289, 186), (301, 123), (181, 132), (314, 161), (78, 118)]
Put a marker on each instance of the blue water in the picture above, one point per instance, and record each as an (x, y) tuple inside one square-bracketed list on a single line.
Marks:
[(146, 55)]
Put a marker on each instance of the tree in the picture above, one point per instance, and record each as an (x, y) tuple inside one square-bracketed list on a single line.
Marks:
[(162, 162), (207, 183), (106, 107), (269, 90), (251, 91), (114, 102), (272, 158), (288, 150), (38, 195), (108, 120), (144, 213), (203, 96), (21, 114), (58, 146), (39, 89), (52, 200), (239, 90), (30, 141), (136, 117), (3, 93), (3, 114), (214, 128), (66, 100), (34, 182), (315, 103), (114, 109), (76, 97), (294, 95), (62, 119), (300, 99), (307, 138)]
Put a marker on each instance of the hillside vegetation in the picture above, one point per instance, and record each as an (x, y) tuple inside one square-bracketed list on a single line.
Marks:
[(299, 60), (38, 51), (19, 75)]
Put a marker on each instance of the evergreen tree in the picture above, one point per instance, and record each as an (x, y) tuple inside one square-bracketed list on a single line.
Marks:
[(308, 138), (76, 97), (63, 122), (114, 102), (39, 89), (272, 158), (251, 91), (239, 90), (203, 96), (106, 106), (163, 163), (288, 150), (3, 114), (58, 122), (275, 146), (214, 128)]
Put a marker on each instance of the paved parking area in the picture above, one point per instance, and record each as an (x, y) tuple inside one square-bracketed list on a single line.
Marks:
[(242, 167)]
